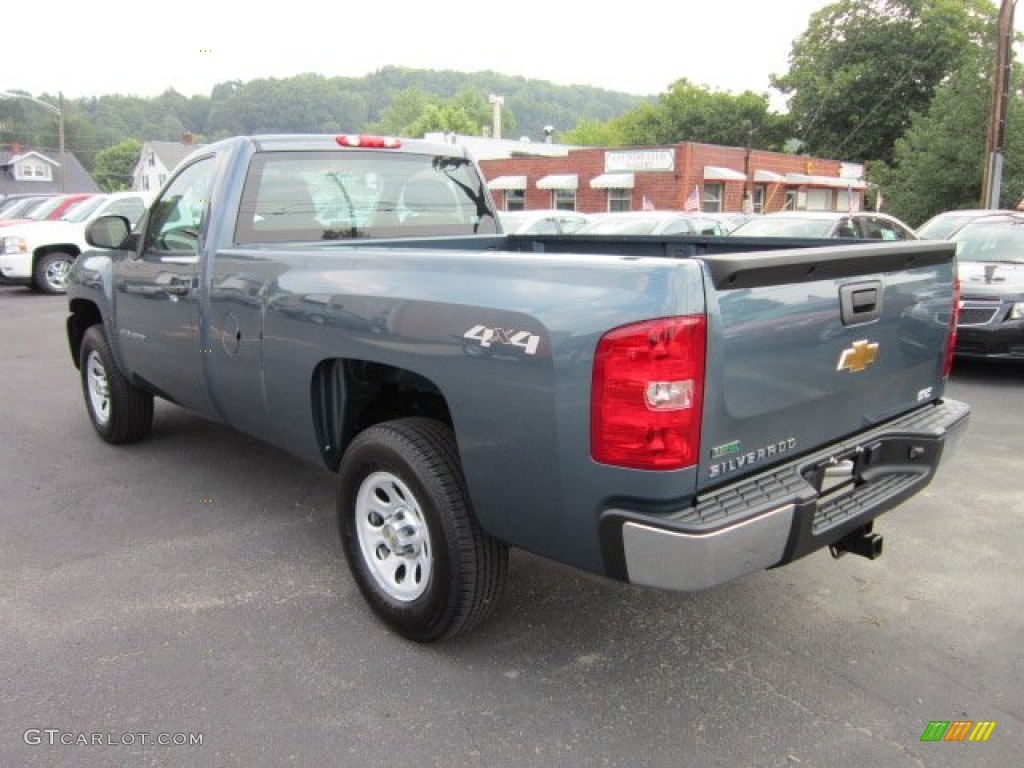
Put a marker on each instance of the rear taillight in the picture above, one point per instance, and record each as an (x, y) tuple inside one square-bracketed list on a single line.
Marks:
[(954, 316), (648, 389)]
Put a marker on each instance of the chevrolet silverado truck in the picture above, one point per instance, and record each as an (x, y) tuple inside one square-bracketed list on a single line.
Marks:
[(674, 412)]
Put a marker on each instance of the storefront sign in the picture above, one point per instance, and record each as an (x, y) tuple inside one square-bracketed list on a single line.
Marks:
[(619, 161)]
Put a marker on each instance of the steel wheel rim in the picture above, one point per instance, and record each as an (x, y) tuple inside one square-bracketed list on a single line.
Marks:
[(57, 273), (98, 387), (393, 537)]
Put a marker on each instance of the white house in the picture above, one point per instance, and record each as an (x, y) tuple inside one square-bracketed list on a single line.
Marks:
[(33, 166), (35, 172), (157, 160)]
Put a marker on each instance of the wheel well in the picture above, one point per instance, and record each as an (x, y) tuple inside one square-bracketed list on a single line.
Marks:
[(83, 315), (350, 395), (68, 248)]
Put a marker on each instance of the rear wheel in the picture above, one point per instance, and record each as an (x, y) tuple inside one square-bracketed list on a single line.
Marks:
[(119, 411), (51, 272), (421, 561)]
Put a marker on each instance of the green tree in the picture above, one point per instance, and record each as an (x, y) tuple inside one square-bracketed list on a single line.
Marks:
[(446, 118), (405, 109), (688, 112), (594, 133), (395, 98), (113, 168), (863, 67), (938, 164), (302, 104), (413, 113)]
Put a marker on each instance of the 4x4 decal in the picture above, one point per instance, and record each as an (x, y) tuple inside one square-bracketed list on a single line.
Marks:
[(526, 341)]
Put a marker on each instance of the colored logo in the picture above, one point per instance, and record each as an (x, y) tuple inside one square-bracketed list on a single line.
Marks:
[(858, 357), (958, 730)]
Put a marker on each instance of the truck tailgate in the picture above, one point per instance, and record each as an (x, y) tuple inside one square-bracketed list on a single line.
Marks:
[(807, 347)]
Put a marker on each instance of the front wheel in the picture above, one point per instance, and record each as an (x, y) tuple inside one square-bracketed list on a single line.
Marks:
[(51, 272), (119, 411), (420, 559)]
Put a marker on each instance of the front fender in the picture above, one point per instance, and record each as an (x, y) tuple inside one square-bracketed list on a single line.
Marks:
[(90, 294)]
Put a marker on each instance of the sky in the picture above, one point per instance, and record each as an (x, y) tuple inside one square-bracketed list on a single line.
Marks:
[(640, 47)]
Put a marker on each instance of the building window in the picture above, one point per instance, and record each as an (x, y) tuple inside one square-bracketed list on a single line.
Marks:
[(619, 200), (563, 199), (791, 198), (152, 160), (26, 172), (713, 194), (758, 199), (145, 183), (161, 179), (820, 200), (515, 199)]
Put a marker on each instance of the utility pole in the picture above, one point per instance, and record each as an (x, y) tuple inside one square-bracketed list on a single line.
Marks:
[(60, 140), (496, 103), (992, 179), (748, 187)]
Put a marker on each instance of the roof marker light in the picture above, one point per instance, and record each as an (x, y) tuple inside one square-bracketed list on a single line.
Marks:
[(375, 142)]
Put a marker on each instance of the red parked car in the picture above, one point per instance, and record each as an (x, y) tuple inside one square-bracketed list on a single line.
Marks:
[(50, 210)]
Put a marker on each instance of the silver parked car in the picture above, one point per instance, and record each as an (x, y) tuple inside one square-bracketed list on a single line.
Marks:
[(652, 223), (943, 226), (541, 222), (861, 225)]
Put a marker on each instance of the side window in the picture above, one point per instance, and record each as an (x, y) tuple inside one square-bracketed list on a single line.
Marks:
[(869, 229), (567, 226), (545, 226), (131, 208), (846, 228), (676, 227), (882, 229), (179, 215), (899, 233)]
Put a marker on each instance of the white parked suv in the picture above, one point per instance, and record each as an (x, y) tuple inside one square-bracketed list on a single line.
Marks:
[(40, 253)]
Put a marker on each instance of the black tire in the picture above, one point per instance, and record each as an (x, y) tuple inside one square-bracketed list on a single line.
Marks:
[(420, 559), (119, 411), (51, 272)]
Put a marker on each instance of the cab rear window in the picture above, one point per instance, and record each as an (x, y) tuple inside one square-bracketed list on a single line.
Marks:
[(301, 196)]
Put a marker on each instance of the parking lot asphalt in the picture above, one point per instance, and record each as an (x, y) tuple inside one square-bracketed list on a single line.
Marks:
[(192, 587)]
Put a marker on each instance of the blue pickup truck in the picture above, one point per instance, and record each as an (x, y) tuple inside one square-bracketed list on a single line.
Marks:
[(674, 412)]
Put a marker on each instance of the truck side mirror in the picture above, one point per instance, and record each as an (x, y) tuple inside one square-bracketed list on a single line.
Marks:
[(108, 232)]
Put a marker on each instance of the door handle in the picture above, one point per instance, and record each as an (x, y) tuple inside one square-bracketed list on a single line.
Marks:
[(861, 302)]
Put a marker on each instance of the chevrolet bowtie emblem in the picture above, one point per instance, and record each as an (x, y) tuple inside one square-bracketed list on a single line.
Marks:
[(858, 357)]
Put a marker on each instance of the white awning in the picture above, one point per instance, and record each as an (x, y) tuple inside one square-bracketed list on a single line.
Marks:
[(559, 181), (717, 173), (825, 181), (507, 182), (769, 177), (613, 181)]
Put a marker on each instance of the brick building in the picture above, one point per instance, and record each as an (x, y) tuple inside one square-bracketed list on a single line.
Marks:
[(711, 177)]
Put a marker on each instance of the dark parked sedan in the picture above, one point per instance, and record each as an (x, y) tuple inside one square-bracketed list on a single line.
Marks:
[(990, 264)]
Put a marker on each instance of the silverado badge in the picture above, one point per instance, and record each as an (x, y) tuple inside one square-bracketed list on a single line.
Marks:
[(858, 357)]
